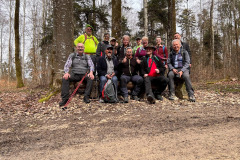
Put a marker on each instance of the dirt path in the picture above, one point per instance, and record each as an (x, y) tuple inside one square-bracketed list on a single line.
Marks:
[(207, 129)]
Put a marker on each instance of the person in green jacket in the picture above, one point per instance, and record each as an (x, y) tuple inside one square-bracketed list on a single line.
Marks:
[(138, 40), (90, 43)]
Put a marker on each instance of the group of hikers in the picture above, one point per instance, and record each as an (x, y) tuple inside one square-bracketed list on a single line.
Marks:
[(144, 65)]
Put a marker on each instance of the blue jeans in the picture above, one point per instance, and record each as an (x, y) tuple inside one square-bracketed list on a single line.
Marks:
[(103, 81)]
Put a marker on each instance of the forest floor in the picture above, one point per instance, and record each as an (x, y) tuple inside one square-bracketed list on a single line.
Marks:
[(206, 129)]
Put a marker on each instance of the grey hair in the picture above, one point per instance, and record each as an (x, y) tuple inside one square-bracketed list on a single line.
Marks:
[(175, 40), (145, 37), (129, 48), (126, 36)]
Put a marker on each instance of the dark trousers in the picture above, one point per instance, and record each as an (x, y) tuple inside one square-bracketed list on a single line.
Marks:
[(136, 79), (75, 78), (161, 82)]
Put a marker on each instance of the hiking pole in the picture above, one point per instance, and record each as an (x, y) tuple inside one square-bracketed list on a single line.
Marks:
[(65, 106)]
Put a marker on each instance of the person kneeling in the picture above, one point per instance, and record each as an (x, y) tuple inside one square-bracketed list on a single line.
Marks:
[(178, 64), (153, 70), (129, 67), (107, 69)]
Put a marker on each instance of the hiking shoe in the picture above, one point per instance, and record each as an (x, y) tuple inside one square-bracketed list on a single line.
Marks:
[(150, 99), (86, 99), (125, 99), (192, 99), (101, 100), (159, 97), (173, 97), (63, 102), (135, 98)]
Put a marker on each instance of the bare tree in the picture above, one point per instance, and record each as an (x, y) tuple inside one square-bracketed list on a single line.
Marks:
[(212, 37), (17, 47), (23, 37), (9, 42)]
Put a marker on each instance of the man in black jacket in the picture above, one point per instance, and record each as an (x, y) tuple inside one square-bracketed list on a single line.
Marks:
[(121, 51), (129, 69), (107, 68), (153, 72), (102, 46)]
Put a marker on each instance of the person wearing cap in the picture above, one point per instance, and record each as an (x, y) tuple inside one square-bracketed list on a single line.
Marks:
[(114, 44), (178, 64), (102, 46), (153, 73), (138, 41), (129, 69), (107, 68), (90, 42), (79, 63)]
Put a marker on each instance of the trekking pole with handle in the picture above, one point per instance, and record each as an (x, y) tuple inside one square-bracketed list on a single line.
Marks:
[(65, 106)]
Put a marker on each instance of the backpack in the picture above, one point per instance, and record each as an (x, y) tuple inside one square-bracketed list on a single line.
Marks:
[(109, 92), (85, 35)]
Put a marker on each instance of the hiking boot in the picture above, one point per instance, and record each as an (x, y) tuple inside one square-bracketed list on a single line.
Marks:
[(63, 102), (135, 98), (101, 100), (150, 99), (192, 99), (159, 97), (86, 99), (125, 99), (173, 97)]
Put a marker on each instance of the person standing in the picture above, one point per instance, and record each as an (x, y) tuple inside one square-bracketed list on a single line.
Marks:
[(161, 51), (121, 51), (79, 63), (138, 41), (90, 43), (114, 44), (102, 46)]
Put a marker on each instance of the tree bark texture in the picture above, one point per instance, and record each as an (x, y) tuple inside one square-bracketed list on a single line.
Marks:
[(212, 37), (116, 19), (62, 37), (17, 47), (145, 18)]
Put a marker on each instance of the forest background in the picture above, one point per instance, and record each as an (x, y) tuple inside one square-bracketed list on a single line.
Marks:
[(36, 36)]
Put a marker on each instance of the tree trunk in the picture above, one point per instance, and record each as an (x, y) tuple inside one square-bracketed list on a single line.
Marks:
[(62, 37), (9, 43), (212, 37), (2, 49), (171, 20), (23, 38), (145, 18), (236, 34), (17, 47), (116, 19)]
